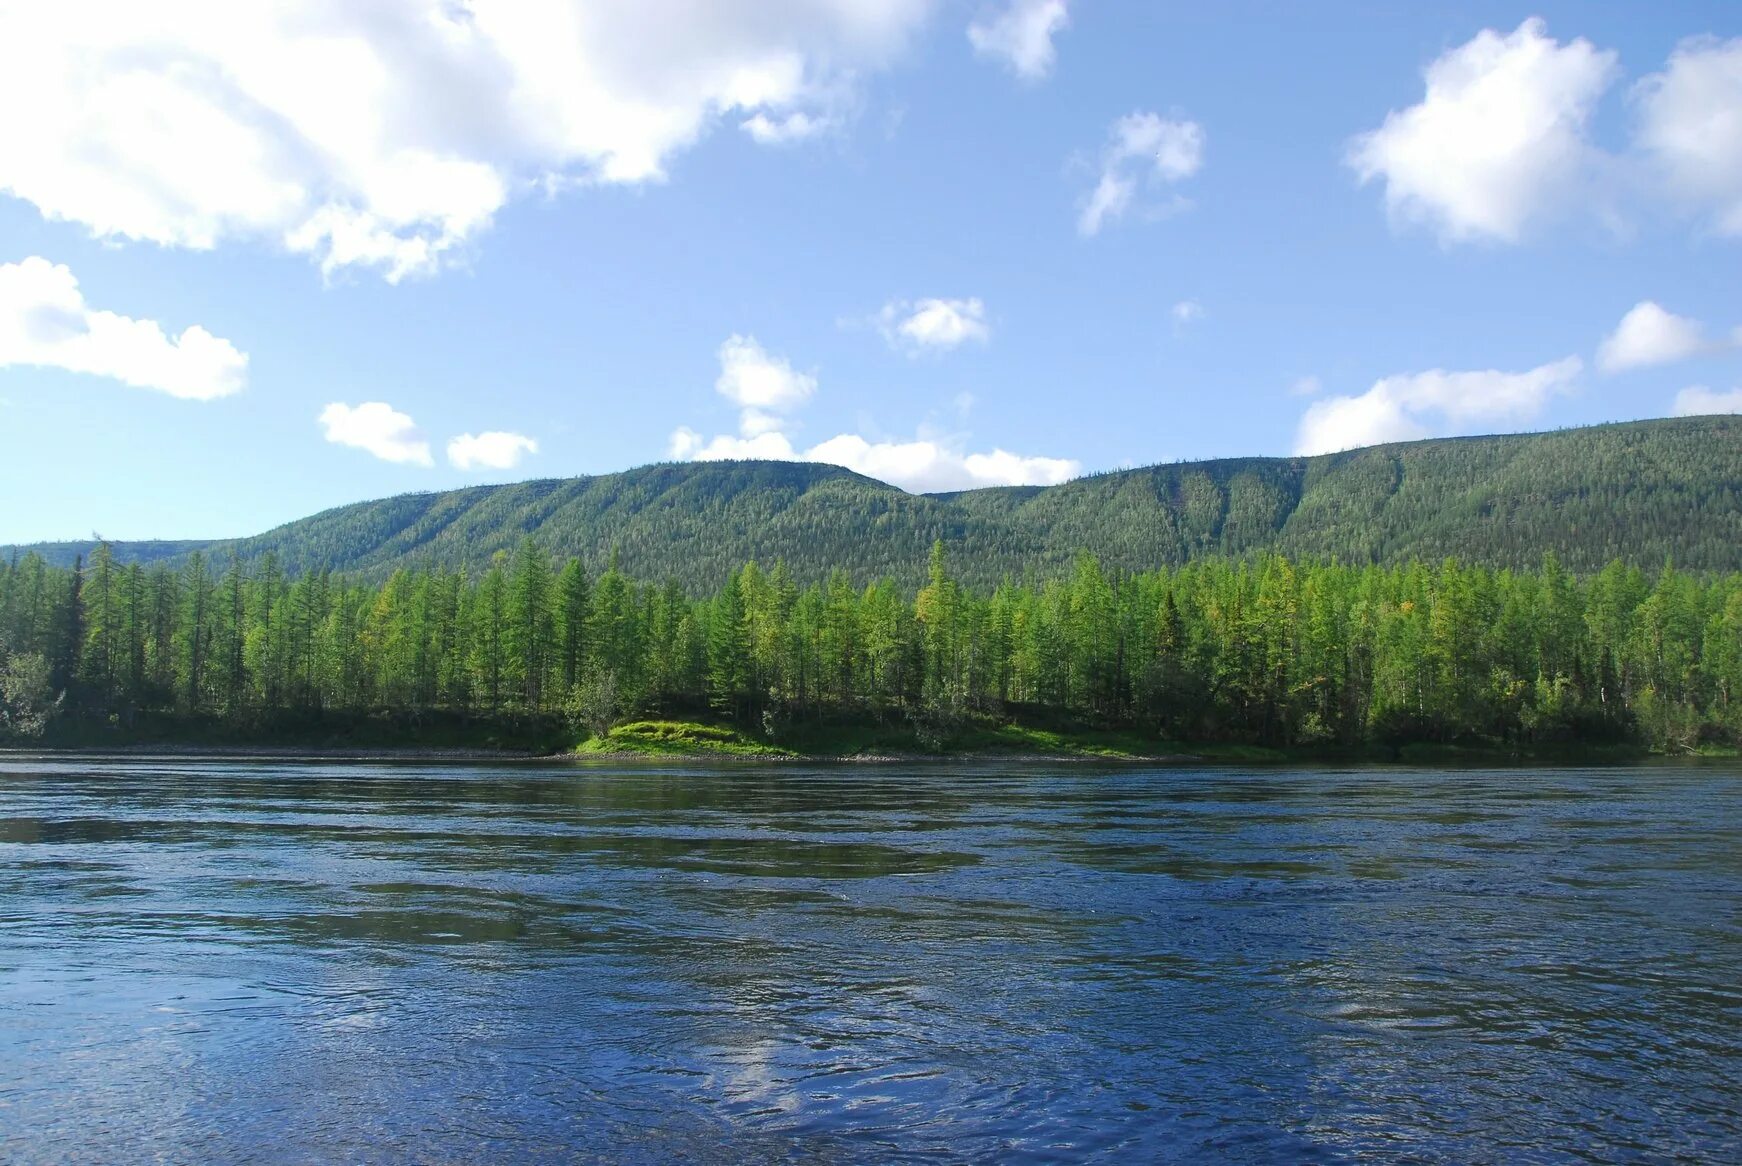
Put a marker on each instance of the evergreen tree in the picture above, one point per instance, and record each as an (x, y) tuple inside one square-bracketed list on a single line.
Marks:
[(531, 623), (729, 664), (574, 603), (102, 648)]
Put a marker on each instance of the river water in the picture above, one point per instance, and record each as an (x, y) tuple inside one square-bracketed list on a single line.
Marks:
[(276, 962)]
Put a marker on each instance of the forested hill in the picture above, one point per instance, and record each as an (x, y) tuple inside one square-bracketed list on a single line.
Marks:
[(143, 552), (1641, 491)]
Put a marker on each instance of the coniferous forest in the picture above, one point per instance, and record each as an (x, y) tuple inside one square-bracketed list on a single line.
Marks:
[(1263, 650), (1640, 491)]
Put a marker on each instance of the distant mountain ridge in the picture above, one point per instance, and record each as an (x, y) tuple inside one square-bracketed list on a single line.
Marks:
[(1641, 491)]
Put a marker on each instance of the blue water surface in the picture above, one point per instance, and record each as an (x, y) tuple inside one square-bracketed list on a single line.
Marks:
[(213, 960)]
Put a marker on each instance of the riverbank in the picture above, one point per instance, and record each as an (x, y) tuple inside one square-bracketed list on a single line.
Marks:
[(454, 740), (269, 752), (1013, 742)]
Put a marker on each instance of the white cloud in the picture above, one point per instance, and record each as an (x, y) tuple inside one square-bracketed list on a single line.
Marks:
[(1699, 401), (763, 386), (922, 464), (44, 321), (1371, 418), (1408, 407), (493, 450), (379, 428), (1020, 35), (934, 323), (753, 379), (388, 135), (1187, 311), (1498, 141), (1141, 148), (767, 388), (1307, 386), (755, 422), (1650, 335), (687, 445), (930, 465), (785, 130), (1691, 125)]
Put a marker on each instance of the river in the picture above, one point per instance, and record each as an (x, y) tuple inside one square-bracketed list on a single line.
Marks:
[(215, 961)]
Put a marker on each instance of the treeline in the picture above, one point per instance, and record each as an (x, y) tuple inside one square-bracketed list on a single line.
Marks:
[(1264, 650)]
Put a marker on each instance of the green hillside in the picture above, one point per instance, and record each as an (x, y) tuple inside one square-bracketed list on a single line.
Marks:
[(1640, 491), (145, 551)]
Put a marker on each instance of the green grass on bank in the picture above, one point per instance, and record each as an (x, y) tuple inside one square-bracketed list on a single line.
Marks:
[(844, 740), (993, 739), (679, 739)]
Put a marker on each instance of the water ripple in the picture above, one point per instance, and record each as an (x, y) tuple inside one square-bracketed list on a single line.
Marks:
[(275, 962)]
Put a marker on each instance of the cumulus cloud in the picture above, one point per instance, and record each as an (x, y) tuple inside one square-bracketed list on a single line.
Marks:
[(934, 324), (388, 135), (923, 464), (1142, 149), (1019, 34), (1649, 335), (1691, 126), (1498, 142), (378, 428), (768, 389), (1413, 406), (755, 380), (492, 450), (1699, 401), (45, 322), (765, 388)]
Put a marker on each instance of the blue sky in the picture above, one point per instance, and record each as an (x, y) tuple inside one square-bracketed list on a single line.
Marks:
[(550, 231)]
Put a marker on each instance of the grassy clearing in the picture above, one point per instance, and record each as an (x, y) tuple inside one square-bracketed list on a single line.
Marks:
[(993, 739), (848, 740), (679, 739)]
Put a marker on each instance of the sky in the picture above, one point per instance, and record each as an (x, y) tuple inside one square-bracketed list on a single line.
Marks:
[(257, 260)]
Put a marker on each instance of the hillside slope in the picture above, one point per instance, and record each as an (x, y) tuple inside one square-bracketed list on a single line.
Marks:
[(1642, 491)]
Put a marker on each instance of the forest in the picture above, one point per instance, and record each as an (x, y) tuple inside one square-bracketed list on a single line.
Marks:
[(1264, 649)]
